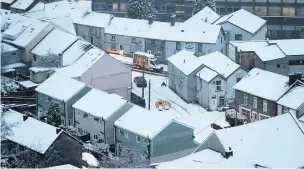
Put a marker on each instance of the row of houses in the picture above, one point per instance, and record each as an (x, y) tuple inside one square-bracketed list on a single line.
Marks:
[(279, 56), (203, 33)]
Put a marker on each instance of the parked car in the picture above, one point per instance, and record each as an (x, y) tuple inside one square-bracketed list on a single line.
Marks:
[(140, 81)]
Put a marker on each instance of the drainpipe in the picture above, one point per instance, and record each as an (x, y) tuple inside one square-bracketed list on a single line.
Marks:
[(65, 114), (104, 130)]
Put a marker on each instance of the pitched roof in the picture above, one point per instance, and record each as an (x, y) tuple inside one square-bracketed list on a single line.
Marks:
[(206, 74), (290, 46), (251, 24), (143, 122), (30, 133), (95, 99), (264, 84), (204, 16), (7, 48), (22, 32), (52, 44), (263, 142), (90, 19), (270, 52), (60, 86), (294, 98), (220, 63), (74, 52), (248, 46), (185, 61)]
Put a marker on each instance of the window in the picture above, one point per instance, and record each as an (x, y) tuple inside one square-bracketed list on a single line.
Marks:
[(95, 137), (133, 40), (121, 132), (254, 116), (120, 47), (288, 34), (218, 85), (126, 134), (300, 11), (274, 11), (288, 11), (49, 99), (96, 120), (221, 10), (264, 105), (113, 38), (238, 79), (238, 37), (222, 101), (153, 42), (85, 116), (34, 57), (113, 46), (91, 39), (255, 102), (245, 98), (200, 47), (221, 39), (138, 139), (178, 45), (115, 7), (14, 54), (122, 7), (260, 10)]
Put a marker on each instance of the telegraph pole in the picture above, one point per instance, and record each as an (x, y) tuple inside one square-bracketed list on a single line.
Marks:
[(143, 87), (149, 94)]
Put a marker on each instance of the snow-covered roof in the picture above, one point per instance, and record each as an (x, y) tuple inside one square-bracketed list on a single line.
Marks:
[(22, 4), (80, 66), (204, 16), (7, 48), (73, 10), (185, 61), (40, 69), (7, 1), (30, 133), (248, 46), (60, 87), (65, 166), (206, 74), (202, 124), (251, 24), (23, 31), (159, 30), (264, 84), (14, 65), (270, 52), (56, 42), (205, 159), (27, 84), (74, 52), (90, 19), (266, 142), (96, 99), (220, 63), (290, 46), (294, 98), (65, 23), (144, 122)]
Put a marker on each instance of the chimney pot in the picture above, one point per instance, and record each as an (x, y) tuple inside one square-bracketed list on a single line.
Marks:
[(184, 61), (172, 21), (150, 19), (25, 117)]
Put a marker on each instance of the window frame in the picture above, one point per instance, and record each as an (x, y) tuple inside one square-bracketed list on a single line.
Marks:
[(265, 105), (200, 47), (218, 86), (245, 99), (240, 37), (126, 134), (113, 38), (138, 139), (178, 46), (255, 102)]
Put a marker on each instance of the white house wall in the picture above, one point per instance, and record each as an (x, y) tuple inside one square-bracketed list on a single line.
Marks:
[(126, 42), (214, 102), (261, 34), (231, 52), (233, 30), (202, 88), (110, 75), (89, 125), (94, 35), (232, 80)]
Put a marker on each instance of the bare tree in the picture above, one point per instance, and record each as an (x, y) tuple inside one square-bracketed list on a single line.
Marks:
[(6, 129), (50, 60), (54, 115)]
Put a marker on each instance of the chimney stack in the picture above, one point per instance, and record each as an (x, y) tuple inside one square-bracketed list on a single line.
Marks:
[(229, 153), (173, 17), (294, 77), (184, 61), (58, 130), (215, 126), (150, 19), (25, 117)]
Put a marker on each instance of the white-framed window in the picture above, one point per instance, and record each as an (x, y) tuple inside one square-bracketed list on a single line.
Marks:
[(121, 132), (153, 41), (138, 139), (200, 47), (95, 137), (133, 40), (255, 102), (218, 85), (113, 37), (126, 134), (113, 46), (238, 37), (245, 98), (264, 105), (254, 116), (178, 46)]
